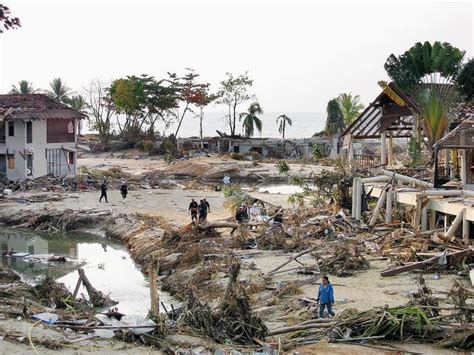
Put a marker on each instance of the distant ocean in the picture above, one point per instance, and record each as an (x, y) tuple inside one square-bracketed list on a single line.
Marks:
[(305, 124)]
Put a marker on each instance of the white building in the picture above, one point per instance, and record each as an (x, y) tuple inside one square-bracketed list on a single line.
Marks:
[(38, 136)]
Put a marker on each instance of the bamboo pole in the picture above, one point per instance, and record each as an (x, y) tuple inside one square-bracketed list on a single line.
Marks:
[(360, 191), (407, 179), (383, 149)]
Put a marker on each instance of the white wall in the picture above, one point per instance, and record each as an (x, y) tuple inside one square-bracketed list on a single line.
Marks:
[(17, 144)]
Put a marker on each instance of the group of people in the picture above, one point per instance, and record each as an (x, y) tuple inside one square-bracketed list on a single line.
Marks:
[(202, 208), (104, 187), (254, 214)]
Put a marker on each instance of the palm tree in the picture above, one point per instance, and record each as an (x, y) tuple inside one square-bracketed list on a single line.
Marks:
[(24, 87), (427, 73), (59, 90), (283, 120), (350, 107), (250, 120)]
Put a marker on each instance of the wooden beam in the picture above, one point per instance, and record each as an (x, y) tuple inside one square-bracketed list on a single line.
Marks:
[(422, 264)]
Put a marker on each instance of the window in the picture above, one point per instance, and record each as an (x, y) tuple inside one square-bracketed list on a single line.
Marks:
[(70, 158), (70, 127), (11, 129), (2, 131), (29, 132), (11, 161)]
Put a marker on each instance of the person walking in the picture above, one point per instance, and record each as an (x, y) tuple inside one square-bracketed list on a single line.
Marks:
[(325, 297), (103, 191), (208, 206), (193, 209), (124, 189), (203, 210)]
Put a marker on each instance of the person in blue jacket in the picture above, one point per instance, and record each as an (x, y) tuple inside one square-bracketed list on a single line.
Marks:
[(325, 297)]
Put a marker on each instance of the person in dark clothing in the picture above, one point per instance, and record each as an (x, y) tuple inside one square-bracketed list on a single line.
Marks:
[(203, 210), (103, 191), (325, 297), (208, 206), (193, 209), (124, 189)]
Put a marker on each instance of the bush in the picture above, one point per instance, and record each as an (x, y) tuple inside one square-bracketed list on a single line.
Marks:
[(256, 155), (146, 145), (237, 156)]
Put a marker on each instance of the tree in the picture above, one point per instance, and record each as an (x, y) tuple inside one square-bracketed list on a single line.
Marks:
[(427, 73), (465, 80), (142, 100), (250, 119), (201, 99), (99, 108), (59, 90), (283, 120), (335, 119), (190, 93), (233, 92), (350, 107), (24, 87), (7, 22)]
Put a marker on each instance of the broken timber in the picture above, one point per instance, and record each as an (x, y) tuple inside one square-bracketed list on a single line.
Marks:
[(422, 264)]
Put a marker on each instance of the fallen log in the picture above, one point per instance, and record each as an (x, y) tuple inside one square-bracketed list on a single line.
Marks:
[(232, 225), (97, 298), (422, 264), (290, 260), (296, 328)]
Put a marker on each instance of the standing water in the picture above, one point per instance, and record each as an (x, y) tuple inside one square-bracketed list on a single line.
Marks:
[(107, 265)]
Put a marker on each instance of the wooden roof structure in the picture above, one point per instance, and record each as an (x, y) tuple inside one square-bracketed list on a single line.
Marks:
[(462, 137), (384, 114), (34, 106)]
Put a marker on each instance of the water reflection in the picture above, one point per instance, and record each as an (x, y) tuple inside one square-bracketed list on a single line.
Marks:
[(107, 265)]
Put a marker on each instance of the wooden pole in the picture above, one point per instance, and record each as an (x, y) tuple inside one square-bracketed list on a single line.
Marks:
[(463, 167), (377, 208), (383, 148), (390, 149), (354, 196), (424, 216), (432, 219), (388, 208), (456, 223), (351, 152), (154, 297), (360, 191)]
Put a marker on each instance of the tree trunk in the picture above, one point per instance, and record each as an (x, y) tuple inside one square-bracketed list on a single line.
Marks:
[(201, 117), (181, 120)]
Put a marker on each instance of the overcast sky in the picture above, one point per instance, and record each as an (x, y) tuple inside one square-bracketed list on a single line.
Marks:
[(300, 54)]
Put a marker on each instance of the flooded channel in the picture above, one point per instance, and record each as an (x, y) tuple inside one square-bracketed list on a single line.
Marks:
[(106, 263)]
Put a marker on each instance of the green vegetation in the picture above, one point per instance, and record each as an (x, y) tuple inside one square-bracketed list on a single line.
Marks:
[(350, 107), (24, 87), (335, 119), (250, 119), (282, 121), (465, 81), (427, 73)]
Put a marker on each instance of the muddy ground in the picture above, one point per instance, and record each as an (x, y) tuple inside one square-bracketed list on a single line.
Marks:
[(364, 290)]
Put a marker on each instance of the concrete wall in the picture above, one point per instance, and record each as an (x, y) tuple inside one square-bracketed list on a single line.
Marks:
[(17, 145)]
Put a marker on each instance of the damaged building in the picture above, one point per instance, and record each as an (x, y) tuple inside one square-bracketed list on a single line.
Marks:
[(38, 136)]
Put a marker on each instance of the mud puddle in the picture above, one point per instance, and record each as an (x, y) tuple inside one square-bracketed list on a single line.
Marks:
[(106, 263)]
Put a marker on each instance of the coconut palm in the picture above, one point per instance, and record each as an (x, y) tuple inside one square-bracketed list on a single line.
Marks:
[(24, 87), (59, 90), (250, 120), (283, 120), (77, 102), (350, 107)]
